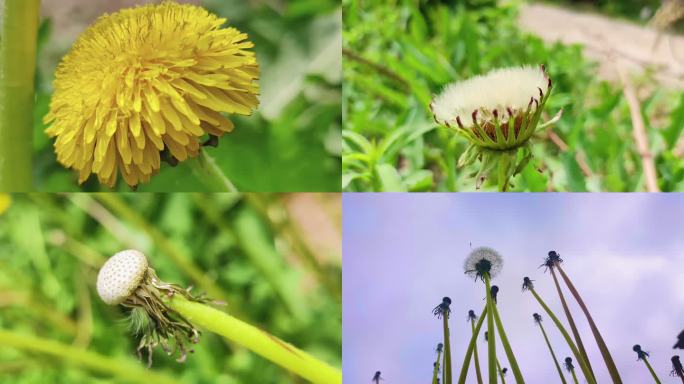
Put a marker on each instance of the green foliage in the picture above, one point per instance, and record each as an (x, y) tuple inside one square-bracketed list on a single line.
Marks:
[(399, 53), (290, 144), (52, 246)]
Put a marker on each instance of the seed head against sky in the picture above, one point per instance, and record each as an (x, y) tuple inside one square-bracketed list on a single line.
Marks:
[(404, 252)]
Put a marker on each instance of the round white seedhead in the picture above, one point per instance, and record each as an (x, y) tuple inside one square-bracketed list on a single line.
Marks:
[(121, 275)]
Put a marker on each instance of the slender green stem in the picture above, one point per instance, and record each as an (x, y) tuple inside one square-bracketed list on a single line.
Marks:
[(17, 71), (605, 353), (477, 360), (443, 364), (124, 370), (553, 355), (507, 346), (258, 341), (491, 339), (650, 369), (568, 339), (571, 321), (574, 376), (447, 350), (209, 173), (435, 369), (501, 374), (471, 346)]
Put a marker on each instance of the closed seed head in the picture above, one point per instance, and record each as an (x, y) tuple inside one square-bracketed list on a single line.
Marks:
[(121, 275)]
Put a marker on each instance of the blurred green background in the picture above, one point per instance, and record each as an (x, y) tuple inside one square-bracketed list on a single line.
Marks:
[(398, 53), (292, 142), (275, 259)]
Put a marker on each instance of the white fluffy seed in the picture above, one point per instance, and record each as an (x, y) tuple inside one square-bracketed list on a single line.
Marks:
[(121, 275)]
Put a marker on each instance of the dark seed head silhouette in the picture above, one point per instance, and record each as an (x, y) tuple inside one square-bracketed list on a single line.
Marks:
[(494, 290), (677, 369), (471, 315), (443, 308), (680, 341), (439, 347), (376, 377), (640, 353), (527, 284), (537, 318), (504, 371), (551, 260), (486, 336), (568, 364)]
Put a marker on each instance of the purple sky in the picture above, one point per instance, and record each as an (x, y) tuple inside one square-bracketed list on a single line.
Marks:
[(403, 252)]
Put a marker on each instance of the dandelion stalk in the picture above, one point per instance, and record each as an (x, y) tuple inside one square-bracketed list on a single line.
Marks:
[(642, 355), (538, 320), (491, 344), (607, 358), (507, 346), (209, 173), (435, 370), (571, 368), (471, 346), (443, 311), (527, 285), (478, 373), (501, 372), (17, 70), (258, 341)]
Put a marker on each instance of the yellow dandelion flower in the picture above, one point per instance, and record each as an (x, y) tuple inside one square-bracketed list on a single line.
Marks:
[(145, 84), (5, 202)]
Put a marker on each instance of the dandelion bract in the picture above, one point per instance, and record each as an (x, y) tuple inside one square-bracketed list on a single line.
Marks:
[(146, 84)]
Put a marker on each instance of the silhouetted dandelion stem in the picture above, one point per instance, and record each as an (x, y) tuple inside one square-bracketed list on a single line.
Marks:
[(478, 373), (504, 340), (491, 340), (527, 285), (471, 346), (642, 355), (538, 320), (607, 358)]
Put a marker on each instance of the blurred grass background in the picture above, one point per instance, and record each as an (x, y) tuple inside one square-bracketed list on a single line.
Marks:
[(275, 259), (398, 53), (292, 142)]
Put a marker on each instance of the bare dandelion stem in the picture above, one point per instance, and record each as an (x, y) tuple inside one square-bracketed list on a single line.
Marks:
[(553, 355), (491, 340), (471, 346), (478, 373), (507, 346)]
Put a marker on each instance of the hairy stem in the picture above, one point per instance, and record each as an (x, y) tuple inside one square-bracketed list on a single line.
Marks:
[(553, 355), (447, 350), (124, 370), (17, 70), (507, 346), (605, 353), (650, 369), (491, 339), (471, 346), (258, 341), (478, 373), (568, 339)]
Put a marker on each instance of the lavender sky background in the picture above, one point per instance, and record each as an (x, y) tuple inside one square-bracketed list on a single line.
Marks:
[(403, 252)]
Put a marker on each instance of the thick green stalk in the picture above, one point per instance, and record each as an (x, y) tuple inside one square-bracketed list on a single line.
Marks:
[(209, 173), (607, 358), (507, 346), (568, 339), (477, 360), (17, 70), (650, 369), (435, 369), (501, 374), (471, 346), (553, 355), (491, 339), (574, 376), (123, 370), (571, 321), (258, 341), (447, 350)]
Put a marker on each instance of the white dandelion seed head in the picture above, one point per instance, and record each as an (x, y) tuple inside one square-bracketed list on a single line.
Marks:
[(121, 275), (497, 90), (483, 260)]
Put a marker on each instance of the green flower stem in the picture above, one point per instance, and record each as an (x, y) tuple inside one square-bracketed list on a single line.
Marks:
[(435, 371), (571, 321), (574, 376), (447, 350), (478, 373), (605, 353), (553, 355), (491, 335), (260, 342), (501, 375), (471, 346), (650, 369), (568, 339), (123, 370), (209, 173), (17, 70), (507, 346), (443, 364)]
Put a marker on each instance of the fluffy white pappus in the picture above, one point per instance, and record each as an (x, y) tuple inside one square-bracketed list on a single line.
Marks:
[(499, 89), (481, 260), (120, 275)]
